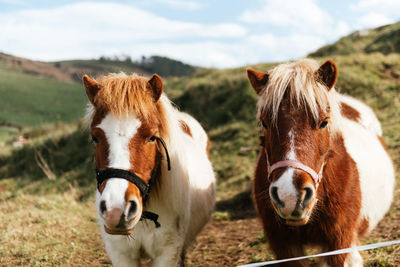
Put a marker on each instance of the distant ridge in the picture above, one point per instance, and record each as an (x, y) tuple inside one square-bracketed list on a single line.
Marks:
[(73, 70), (146, 65), (384, 39)]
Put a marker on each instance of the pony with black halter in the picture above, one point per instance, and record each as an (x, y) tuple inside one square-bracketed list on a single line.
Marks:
[(321, 166), (144, 171)]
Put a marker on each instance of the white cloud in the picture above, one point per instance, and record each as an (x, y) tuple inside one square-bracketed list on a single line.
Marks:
[(372, 20), (203, 53), (89, 29), (182, 4), (375, 13), (286, 47), (304, 16), (388, 7), (285, 13), (12, 2)]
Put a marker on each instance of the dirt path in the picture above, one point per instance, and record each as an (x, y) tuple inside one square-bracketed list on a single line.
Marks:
[(228, 243), (235, 242)]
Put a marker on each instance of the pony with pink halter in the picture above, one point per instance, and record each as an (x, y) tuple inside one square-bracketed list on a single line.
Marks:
[(322, 154)]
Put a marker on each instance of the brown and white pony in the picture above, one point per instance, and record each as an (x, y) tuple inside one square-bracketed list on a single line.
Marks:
[(323, 176), (156, 186)]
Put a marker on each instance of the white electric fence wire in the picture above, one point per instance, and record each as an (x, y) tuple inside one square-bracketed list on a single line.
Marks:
[(330, 253)]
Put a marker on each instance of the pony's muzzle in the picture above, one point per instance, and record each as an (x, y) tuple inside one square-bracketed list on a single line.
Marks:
[(293, 206), (113, 217), (120, 221)]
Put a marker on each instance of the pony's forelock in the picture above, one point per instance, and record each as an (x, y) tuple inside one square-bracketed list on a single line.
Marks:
[(123, 95), (305, 91)]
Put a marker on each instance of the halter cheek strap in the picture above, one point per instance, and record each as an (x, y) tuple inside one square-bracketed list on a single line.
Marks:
[(296, 165)]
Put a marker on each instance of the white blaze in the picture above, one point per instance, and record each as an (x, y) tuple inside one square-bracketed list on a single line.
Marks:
[(118, 132)]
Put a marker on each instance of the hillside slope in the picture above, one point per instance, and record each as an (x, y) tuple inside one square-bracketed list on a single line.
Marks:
[(164, 66), (34, 92), (384, 39), (73, 70)]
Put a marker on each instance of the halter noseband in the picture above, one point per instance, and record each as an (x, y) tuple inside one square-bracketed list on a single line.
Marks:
[(296, 165), (144, 188)]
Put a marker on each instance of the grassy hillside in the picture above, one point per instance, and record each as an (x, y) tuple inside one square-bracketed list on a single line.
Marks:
[(385, 40), (34, 93), (30, 100)]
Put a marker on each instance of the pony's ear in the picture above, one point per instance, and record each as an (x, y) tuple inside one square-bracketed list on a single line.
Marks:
[(257, 79), (328, 73), (156, 86), (91, 87)]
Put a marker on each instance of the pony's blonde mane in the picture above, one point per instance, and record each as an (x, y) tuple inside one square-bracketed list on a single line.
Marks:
[(305, 90)]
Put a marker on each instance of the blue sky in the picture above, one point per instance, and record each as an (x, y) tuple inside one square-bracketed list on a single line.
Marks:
[(211, 33)]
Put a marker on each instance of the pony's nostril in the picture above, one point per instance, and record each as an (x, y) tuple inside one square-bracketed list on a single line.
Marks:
[(275, 197), (309, 195), (103, 207), (132, 209)]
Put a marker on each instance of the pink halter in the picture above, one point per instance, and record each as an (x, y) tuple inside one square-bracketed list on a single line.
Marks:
[(296, 165)]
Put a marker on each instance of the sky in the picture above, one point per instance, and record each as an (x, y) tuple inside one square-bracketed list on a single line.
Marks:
[(209, 33)]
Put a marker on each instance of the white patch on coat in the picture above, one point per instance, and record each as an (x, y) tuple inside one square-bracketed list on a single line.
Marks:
[(375, 169), (367, 116)]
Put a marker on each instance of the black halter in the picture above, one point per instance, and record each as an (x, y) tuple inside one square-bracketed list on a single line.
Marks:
[(144, 188)]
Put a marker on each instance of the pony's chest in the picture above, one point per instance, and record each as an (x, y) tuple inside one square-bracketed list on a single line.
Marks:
[(152, 239)]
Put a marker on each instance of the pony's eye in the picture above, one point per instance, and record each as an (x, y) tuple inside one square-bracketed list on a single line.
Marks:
[(94, 140), (264, 125), (152, 139), (323, 124)]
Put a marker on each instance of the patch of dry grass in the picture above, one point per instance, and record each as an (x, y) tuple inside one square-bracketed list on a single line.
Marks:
[(49, 230)]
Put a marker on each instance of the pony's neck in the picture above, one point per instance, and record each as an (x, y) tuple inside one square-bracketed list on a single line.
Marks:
[(171, 124), (173, 180)]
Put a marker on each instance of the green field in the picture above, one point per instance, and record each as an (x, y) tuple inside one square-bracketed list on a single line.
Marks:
[(47, 187), (31, 101)]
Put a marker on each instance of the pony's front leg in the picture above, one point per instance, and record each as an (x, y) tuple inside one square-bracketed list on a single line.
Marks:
[(291, 252), (171, 256), (285, 244), (352, 259), (121, 251)]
